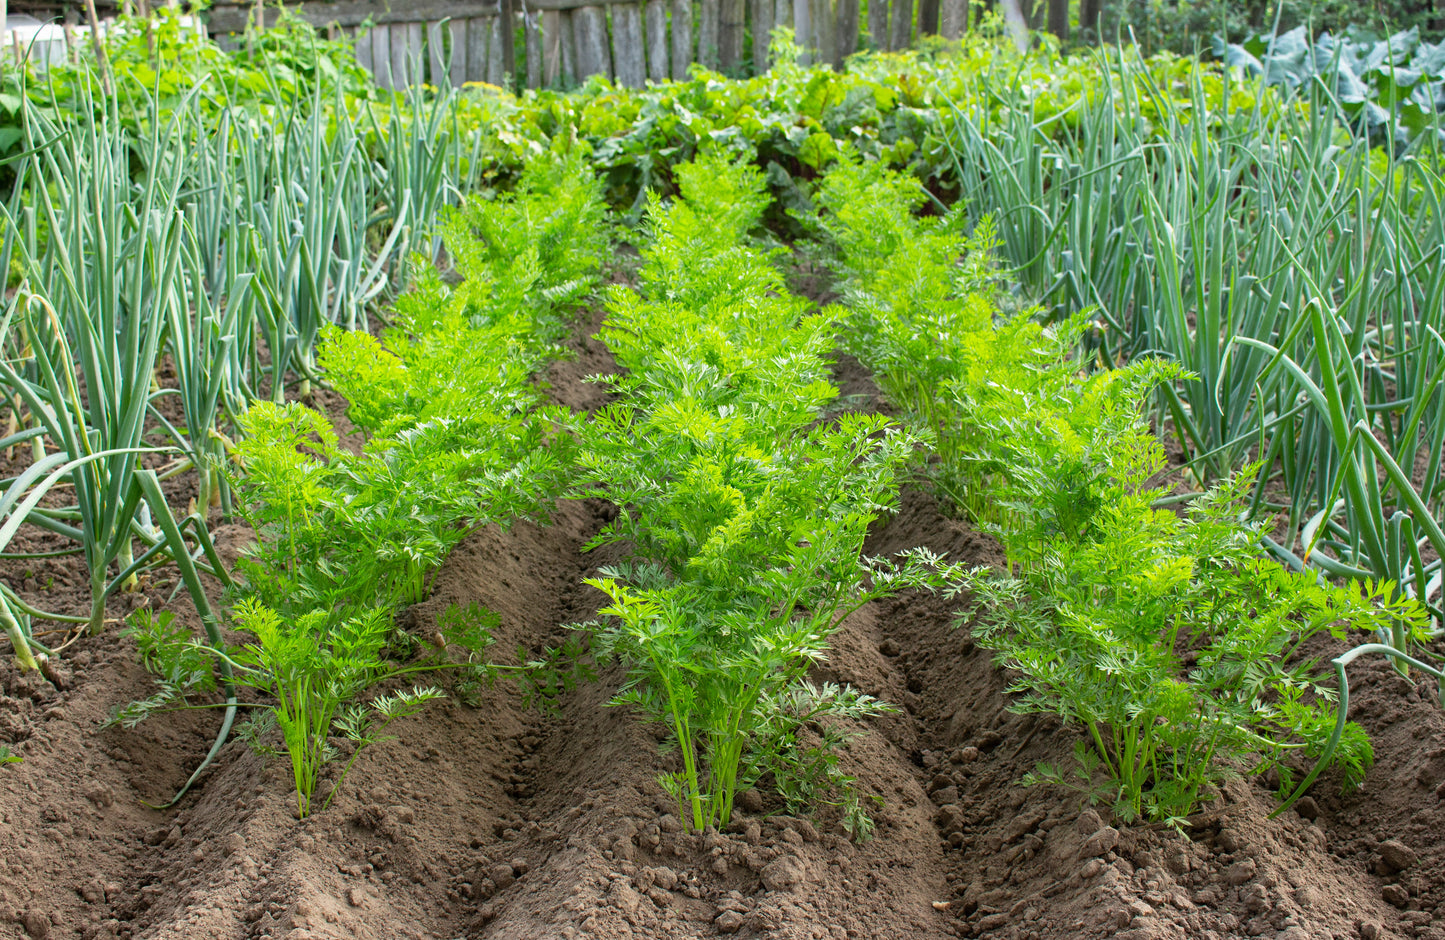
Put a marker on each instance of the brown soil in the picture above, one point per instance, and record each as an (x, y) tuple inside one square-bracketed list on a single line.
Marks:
[(501, 821)]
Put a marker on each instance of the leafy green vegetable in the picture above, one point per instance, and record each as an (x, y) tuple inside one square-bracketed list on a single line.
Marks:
[(1178, 648), (315, 673), (458, 435), (1167, 637), (744, 514)]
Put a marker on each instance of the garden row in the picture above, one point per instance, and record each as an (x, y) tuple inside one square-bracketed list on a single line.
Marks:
[(1165, 635), (456, 437), (743, 502)]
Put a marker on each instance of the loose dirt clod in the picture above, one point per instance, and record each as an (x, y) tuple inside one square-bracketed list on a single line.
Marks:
[(1397, 855)]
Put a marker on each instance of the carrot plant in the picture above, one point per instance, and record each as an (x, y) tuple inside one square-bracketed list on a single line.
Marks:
[(1175, 645), (322, 674), (923, 304), (1166, 637), (744, 512), (315, 674), (458, 435)]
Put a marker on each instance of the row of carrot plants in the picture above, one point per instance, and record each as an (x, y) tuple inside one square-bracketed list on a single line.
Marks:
[(743, 501), (1148, 619), (457, 436)]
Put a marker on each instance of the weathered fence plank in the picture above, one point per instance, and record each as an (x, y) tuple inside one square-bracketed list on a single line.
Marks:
[(803, 27), (458, 30), (927, 17), (362, 47), (589, 24), (878, 22), (381, 55), (952, 18), (569, 49), (400, 40), (479, 29), (707, 25), (900, 26), (762, 15), (627, 45), (533, 33), (656, 26), (847, 13), (1059, 18), (681, 38), (508, 31), (496, 63), (416, 53), (732, 25), (825, 36), (551, 48)]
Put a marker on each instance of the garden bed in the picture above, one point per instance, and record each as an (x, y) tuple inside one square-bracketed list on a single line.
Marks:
[(502, 821)]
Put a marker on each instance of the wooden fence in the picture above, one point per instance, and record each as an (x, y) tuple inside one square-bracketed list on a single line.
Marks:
[(629, 41)]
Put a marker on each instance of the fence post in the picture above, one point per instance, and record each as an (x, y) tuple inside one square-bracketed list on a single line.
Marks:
[(900, 31), (762, 16), (627, 48), (458, 30), (952, 18), (478, 30), (551, 47), (509, 54), (681, 38), (589, 23), (730, 32), (1059, 18), (878, 22), (847, 29), (400, 55), (362, 50), (656, 27), (707, 29), (825, 35), (569, 49), (783, 15), (928, 17), (533, 35), (496, 65), (803, 29)]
